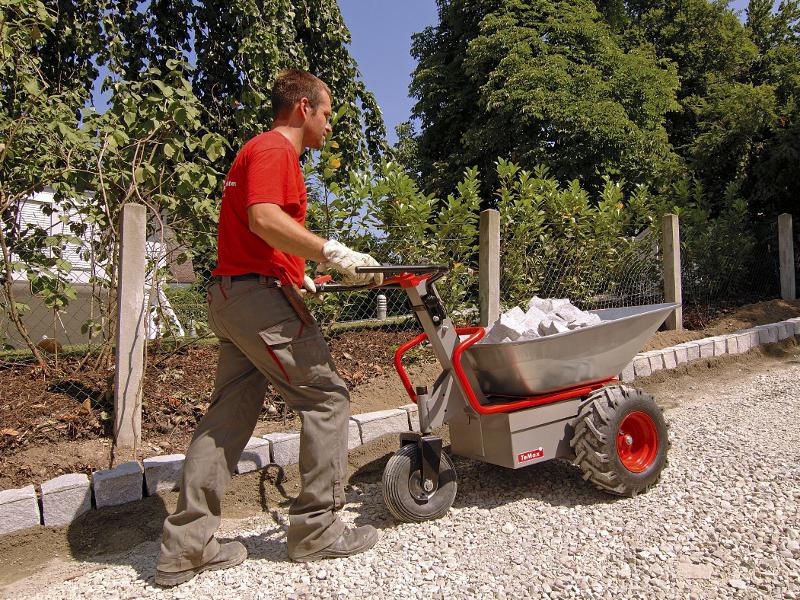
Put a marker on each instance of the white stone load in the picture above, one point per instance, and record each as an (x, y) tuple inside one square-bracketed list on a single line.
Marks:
[(545, 316)]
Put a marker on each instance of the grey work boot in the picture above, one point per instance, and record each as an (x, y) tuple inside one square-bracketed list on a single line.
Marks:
[(230, 554), (352, 541)]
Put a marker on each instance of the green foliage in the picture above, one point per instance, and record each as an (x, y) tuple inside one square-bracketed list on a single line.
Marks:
[(649, 92), (706, 43), (737, 123), (539, 83), (171, 130), (420, 229), (240, 46), (189, 304), (40, 143), (406, 150), (154, 149), (718, 255), (770, 184), (559, 242), (734, 121), (616, 98), (383, 212)]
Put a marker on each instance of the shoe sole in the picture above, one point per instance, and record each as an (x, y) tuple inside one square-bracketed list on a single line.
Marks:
[(172, 579), (322, 555)]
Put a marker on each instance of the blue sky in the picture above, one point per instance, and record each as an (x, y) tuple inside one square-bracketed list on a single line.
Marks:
[(381, 31)]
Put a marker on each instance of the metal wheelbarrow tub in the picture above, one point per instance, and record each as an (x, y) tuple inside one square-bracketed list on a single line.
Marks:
[(567, 359)]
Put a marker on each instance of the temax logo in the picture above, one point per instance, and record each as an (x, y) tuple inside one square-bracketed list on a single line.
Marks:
[(530, 455)]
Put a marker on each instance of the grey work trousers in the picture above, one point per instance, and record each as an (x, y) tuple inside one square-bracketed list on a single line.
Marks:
[(262, 339)]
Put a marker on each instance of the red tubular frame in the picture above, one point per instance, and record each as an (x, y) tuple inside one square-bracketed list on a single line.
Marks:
[(406, 280), (476, 333)]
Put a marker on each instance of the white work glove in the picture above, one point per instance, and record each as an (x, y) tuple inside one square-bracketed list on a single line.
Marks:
[(343, 260), (308, 286)]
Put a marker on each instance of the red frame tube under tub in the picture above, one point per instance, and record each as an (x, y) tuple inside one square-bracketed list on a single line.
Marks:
[(476, 334)]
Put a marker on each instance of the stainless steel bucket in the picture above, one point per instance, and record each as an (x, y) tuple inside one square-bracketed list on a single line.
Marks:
[(567, 359)]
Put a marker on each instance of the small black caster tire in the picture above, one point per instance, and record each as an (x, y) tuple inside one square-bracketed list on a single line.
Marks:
[(402, 475)]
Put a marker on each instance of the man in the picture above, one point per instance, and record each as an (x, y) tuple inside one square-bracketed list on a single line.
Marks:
[(266, 334)]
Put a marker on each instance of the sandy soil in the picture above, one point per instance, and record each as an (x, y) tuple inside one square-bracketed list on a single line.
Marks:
[(730, 320)]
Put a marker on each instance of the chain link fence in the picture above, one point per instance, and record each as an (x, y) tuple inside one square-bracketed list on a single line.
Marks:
[(363, 328), (625, 272), (720, 272)]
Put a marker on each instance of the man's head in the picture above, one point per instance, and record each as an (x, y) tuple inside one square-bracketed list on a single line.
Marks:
[(300, 96)]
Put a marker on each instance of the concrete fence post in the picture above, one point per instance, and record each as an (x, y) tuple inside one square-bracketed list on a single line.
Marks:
[(489, 267), (131, 316), (671, 251), (786, 253)]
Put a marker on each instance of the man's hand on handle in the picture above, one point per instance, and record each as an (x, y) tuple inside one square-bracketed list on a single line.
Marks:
[(344, 260), (308, 285)]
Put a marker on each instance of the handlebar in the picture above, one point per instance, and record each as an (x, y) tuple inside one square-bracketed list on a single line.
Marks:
[(404, 276)]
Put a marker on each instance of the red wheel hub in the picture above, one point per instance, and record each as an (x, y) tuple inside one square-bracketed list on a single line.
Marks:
[(637, 441)]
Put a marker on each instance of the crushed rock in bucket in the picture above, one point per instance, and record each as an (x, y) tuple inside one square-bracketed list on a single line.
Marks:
[(545, 316)]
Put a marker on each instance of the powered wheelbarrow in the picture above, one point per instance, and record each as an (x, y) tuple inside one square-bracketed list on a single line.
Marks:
[(518, 404)]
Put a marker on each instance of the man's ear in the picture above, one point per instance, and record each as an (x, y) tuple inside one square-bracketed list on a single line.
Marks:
[(304, 104)]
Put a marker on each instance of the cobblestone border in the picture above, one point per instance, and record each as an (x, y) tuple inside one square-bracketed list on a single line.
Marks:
[(61, 500)]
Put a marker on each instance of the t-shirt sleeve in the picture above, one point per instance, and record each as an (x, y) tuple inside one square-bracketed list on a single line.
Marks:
[(270, 178)]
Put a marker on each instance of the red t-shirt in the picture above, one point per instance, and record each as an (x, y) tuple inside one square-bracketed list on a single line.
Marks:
[(267, 169)]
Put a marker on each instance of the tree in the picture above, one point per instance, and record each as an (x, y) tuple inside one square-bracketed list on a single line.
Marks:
[(240, 48), (39, 144), (712, 54), (770, 183), (236, 49), (406, 149), (539, 83)]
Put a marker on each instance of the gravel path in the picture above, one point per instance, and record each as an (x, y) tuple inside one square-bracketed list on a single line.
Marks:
[(723, 523)]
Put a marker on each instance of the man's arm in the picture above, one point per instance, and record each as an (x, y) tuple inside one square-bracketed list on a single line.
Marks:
[(279, 230)]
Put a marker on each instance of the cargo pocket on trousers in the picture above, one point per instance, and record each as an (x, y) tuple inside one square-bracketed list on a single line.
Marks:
[(301, 360)]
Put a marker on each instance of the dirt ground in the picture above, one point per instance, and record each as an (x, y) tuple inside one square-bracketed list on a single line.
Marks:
[(65, 425), (88, 539), (48, 428)]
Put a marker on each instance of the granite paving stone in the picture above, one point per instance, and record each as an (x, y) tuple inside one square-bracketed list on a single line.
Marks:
[(19, 509), (119, 485), (375, 424), (353, 435), (255, 456), (628, 373), (720, 345), (641, 366), (65, 498), (163, 473), (693, 351), (285, 447), (681, 354), (656, 359), (767, 334)]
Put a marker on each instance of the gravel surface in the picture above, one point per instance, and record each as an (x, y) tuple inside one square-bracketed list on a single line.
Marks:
[(722, 523)]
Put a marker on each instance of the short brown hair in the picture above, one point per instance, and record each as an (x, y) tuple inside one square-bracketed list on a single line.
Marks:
[(292, 85)]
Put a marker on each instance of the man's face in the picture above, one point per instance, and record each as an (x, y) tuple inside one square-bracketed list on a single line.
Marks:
[(317, 125)]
